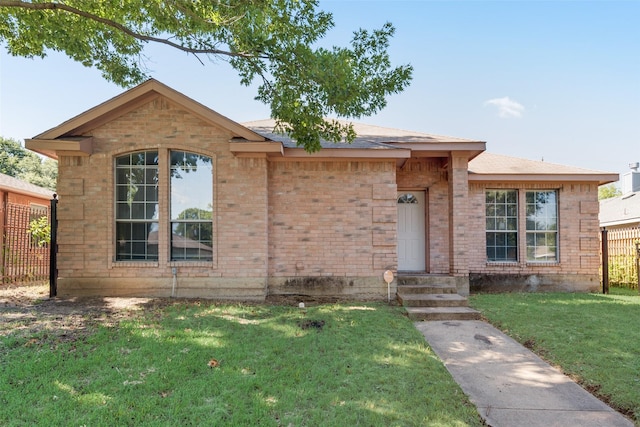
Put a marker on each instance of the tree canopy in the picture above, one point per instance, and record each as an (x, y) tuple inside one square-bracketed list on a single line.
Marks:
[(608, 191), (274, 42), (18, 162)]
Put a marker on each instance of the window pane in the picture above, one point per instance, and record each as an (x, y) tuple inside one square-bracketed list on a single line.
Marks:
[(123, 161), (191, 186), (136, 178), (490, 198), (191, 241), (137, 210), (491, 253), (530, 197), (542, 225), (491, 239), (123, 211), (151, 176), (136, 241), (138, 159), (191, 206)]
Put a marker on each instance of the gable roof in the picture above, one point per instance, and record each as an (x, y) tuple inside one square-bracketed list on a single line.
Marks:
[(68, 136), (496, 167), (16, 185), (620, 210)]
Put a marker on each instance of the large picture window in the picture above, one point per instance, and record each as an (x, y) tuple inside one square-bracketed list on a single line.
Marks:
[(191, 206), (502, 225), (542, 225), (137, 206), (178, 203)]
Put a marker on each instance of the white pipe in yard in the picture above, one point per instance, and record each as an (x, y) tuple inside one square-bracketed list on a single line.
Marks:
[(174, 272)]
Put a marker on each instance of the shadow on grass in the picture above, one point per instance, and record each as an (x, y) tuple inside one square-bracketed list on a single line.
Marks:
[(151, 363)]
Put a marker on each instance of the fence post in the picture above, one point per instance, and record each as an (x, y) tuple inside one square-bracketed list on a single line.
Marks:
[(638, 264), (53, 249), (605, 261)]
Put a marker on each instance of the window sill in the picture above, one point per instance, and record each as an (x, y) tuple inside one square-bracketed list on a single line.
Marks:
[(137, 264), (503, 263), (544, 263), (208, 264)]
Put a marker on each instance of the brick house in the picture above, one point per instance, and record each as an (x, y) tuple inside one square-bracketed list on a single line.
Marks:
[(160, 196)]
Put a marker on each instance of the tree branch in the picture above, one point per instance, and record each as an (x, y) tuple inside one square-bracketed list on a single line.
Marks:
[(122, 28)]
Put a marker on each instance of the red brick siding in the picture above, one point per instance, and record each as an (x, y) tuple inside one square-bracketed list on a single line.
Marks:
[(332, 218), (578, 230)]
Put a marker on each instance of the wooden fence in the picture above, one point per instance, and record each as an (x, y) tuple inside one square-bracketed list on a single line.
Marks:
[(622, 257), (22, 258)]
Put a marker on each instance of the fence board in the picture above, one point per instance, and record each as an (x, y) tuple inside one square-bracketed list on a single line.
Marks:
[(622, 256)]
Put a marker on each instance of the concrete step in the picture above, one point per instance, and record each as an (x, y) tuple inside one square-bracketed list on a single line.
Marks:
[(427, 289), (442, 313), (426, 279), (432, 300)]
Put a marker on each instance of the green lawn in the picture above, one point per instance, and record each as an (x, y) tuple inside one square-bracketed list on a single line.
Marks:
[(594, 338), (328, 365)]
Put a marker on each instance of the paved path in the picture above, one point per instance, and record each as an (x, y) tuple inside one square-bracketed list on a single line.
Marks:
[(509, 384)]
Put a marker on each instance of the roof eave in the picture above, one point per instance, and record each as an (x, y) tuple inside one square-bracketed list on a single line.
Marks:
[(600, 178), (72, 146), (442, 149), (132, 99), (350, 153), (626, 221)]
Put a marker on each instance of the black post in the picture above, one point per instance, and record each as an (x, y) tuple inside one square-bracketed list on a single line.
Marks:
[(53, 249), (605, 261)]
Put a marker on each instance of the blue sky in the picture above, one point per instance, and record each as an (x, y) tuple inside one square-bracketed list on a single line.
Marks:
[(552, 80)]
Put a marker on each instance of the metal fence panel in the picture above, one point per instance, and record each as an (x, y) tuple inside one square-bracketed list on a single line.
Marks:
[(22, 258)]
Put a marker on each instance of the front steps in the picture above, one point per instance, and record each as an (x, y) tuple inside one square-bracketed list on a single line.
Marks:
[(432, 297)]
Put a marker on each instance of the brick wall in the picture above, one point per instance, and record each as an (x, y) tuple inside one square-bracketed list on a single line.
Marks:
[(332, 224), (86, 218), (578, 266)]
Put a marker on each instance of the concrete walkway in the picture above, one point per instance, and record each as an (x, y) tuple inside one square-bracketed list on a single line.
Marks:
[(509, 384)]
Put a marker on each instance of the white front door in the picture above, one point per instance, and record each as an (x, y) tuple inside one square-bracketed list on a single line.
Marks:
[(411, 235)]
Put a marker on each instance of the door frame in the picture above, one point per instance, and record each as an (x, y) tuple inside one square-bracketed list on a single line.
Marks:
[(427, 245)]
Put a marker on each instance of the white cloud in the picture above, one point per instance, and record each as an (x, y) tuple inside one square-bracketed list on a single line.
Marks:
[(507, 108)]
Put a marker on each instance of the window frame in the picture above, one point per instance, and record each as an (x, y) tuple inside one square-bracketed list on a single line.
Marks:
[(163, 220), (151, 224), (202, 222), (506, 212), (541, 230)]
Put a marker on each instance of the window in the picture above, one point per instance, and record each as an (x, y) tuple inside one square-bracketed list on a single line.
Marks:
[(542, 225), (137, 206), (408, 199), (191, 207), (502, 225), (141, 213)]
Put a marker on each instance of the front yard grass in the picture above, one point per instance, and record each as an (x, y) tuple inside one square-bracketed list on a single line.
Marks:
[(594, 338), (199, 363)]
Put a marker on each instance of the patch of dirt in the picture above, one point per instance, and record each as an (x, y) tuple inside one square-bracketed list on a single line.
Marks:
[(307, 324), (26, 311)]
